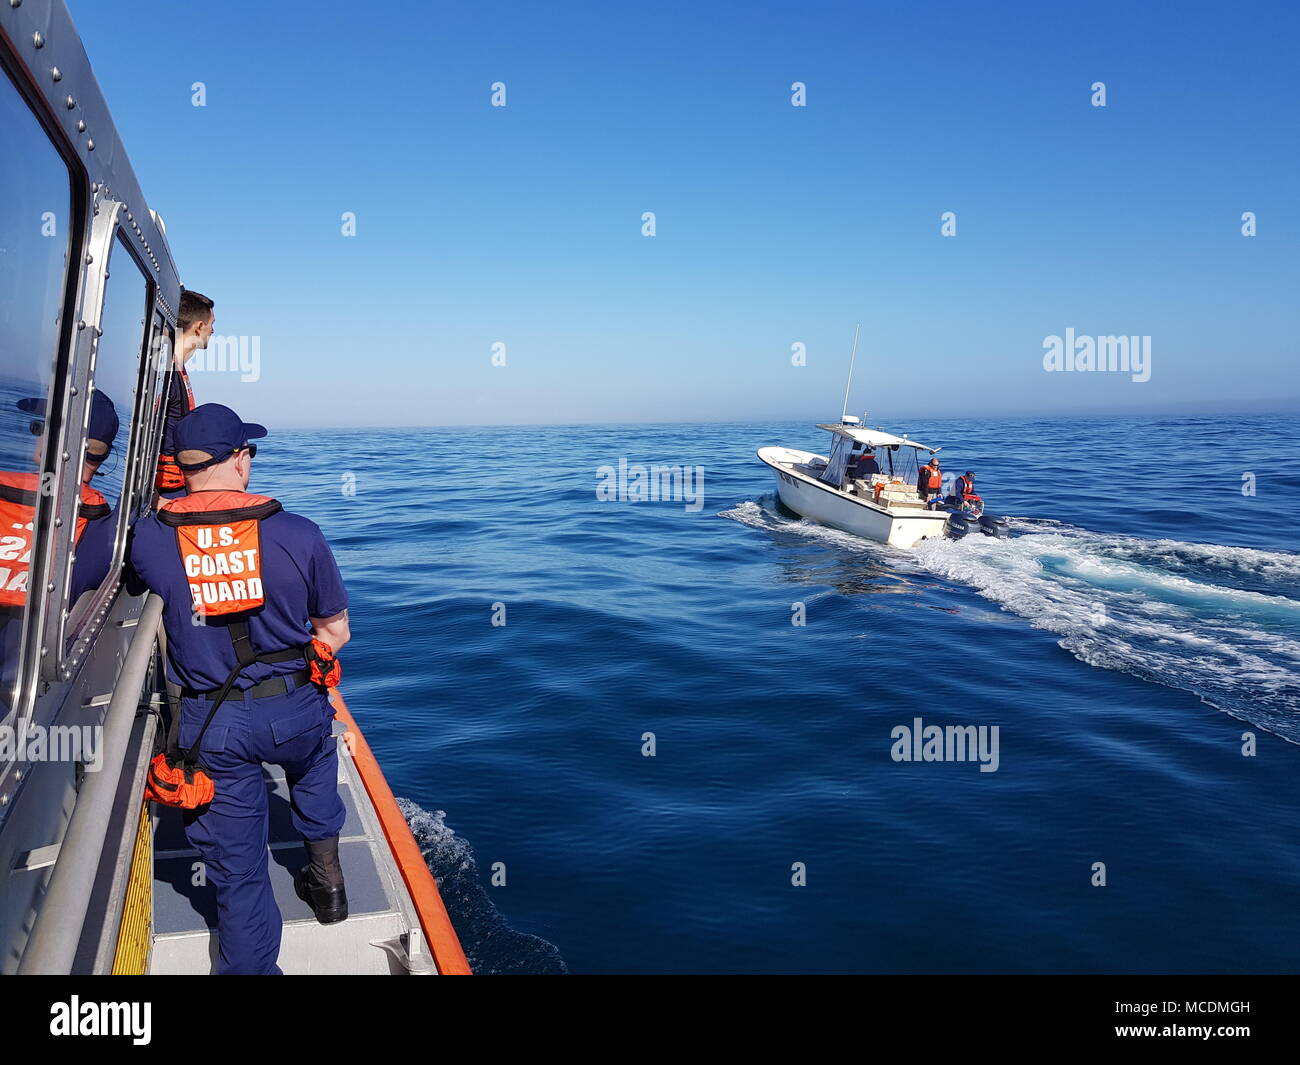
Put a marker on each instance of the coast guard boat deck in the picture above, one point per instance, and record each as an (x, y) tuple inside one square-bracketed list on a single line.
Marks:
[(375, 939)]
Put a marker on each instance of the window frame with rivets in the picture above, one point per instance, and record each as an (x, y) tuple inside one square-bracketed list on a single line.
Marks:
[(38, 175), (123, 322)]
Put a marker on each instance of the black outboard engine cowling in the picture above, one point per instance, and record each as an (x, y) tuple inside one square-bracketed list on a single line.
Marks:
[(958, 526), (993, 526)]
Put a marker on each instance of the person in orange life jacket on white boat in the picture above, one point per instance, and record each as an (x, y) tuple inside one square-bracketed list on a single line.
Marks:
[(929, 482), (963, 491), (94, 532), (247, 588), (866, 465), (194, 322)]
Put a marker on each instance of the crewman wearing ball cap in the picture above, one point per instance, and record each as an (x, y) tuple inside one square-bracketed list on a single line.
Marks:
[(254, 610), (94, 548), (94, 532)]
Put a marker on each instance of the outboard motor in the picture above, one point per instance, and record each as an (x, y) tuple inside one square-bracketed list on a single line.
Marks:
[(993, 526), (957, 526)]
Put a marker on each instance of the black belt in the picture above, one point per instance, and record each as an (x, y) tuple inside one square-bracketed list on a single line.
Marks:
[(271, 686)]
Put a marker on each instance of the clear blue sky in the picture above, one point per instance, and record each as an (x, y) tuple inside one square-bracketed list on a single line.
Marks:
[(776, 224)]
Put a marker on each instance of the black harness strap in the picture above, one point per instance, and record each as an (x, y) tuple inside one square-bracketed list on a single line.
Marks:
[(27, 498), (240, 638), (245, 656)]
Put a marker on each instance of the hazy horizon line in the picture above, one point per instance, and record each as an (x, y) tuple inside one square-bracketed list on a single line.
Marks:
[(1082, 415)]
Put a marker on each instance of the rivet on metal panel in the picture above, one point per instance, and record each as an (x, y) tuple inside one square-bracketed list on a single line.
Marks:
[(90, 145), (56, 74), (66, 456), (70, 103), (81, 125), (82, 325), (38, 40), (89, 259), (58, 523)]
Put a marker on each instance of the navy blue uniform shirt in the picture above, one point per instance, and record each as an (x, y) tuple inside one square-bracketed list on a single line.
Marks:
[(178, 405), (300, 580), (94, 556)]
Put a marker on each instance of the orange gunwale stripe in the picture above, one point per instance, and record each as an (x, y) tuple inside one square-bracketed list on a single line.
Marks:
[(443, 941)]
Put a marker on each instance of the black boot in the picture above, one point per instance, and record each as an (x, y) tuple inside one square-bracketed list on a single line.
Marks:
[(319, 883)]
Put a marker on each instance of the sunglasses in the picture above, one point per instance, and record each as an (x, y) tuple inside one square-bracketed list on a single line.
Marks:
[(251, 449)]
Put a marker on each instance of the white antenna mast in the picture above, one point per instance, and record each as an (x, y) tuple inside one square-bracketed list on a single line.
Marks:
[(849, 383)]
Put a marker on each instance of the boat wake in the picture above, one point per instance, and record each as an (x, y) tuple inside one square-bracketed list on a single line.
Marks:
[(1220, 622), (491, 946)]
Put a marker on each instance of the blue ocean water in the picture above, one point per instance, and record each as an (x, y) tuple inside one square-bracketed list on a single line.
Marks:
[(1142, 619)]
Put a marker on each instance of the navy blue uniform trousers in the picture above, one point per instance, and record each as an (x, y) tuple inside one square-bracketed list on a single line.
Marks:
[(293, 730)]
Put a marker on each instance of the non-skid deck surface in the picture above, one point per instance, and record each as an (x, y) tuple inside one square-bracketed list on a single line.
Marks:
[(185, 911)]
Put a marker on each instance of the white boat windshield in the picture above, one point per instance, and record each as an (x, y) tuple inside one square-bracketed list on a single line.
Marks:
[(861, 454)]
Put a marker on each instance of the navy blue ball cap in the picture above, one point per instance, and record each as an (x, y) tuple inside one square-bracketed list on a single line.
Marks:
[(103, 419), (104, 422), (216, 429)]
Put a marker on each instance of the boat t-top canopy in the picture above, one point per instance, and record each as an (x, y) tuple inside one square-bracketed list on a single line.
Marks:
[(875, 437)]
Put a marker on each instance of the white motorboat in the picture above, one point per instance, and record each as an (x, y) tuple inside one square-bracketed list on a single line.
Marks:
[(868, 485), (884, 505)]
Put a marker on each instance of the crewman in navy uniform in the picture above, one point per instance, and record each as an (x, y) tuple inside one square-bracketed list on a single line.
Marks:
[(246, 588), (93, 537), (95, 541)]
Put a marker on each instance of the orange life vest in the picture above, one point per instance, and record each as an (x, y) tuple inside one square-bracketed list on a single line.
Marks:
[(18, 495), (170, 477), (219, 539), (965, 487), (931, 479)]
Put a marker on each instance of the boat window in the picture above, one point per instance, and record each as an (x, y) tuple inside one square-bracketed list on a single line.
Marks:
[(36, 230), (160, 360), (839, 460), (106, 502)]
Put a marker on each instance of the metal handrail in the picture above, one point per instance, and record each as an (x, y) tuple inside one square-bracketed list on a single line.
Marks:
[(53, 943)]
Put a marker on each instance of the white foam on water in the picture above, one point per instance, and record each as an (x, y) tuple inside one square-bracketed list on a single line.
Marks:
[(1167, 611), (758, 516), (490, 944)]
